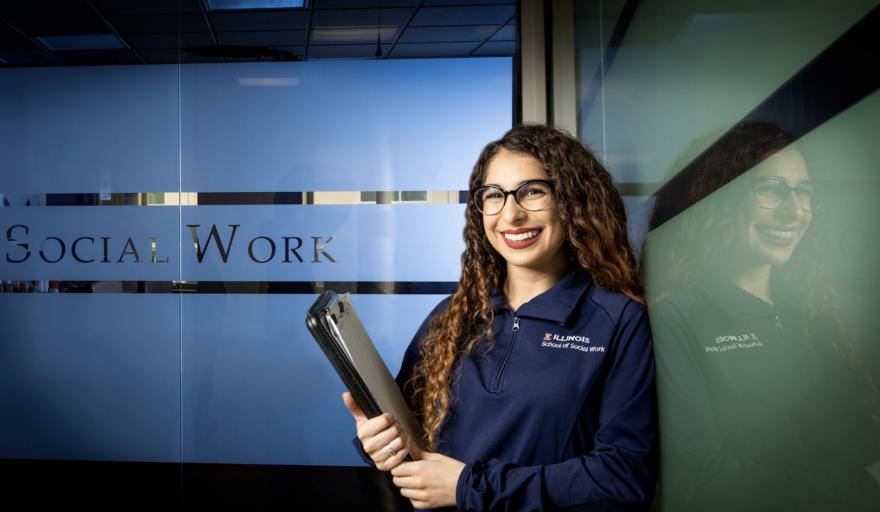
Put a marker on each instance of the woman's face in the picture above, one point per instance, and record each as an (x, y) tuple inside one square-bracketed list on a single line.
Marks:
[(771, 233), (527, 239)]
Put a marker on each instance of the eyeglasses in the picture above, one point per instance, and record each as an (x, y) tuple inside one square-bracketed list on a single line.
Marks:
[(771, 191), (532, 195)]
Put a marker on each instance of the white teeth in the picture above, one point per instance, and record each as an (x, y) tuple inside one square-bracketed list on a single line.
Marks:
[(521, 236), (781, 234), (787, 235)]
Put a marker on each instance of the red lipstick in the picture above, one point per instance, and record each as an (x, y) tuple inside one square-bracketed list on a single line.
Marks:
[(520, 244)]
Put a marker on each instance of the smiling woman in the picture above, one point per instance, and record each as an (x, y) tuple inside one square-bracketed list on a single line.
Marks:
[(773, 221), (527, 235), (534, 381), (753, 355)]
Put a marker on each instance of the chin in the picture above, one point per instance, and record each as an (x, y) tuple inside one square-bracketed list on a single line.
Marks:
[(776, 259), (520, 261)]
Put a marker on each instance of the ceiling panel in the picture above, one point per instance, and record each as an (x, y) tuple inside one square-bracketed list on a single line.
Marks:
[(60, 9), (276, 38), (46, 26), (12, 40), (363, 35), (477, 33), (358, 4), (467, 15), (496, 49), (330, 28), (242, 21), (158, 23), (468, 2), (146, 6), (360, 18), (507, 33)]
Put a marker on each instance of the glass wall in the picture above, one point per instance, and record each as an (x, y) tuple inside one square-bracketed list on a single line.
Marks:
[(255, 385), (177, 192), (742, 134), (89, 375)]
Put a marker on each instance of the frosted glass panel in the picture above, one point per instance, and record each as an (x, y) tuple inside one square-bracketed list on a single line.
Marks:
[(89, 129), (92, 377), (258, 389), (363, 125)]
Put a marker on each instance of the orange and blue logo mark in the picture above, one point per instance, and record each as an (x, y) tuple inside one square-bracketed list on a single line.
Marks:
[(565, 338)]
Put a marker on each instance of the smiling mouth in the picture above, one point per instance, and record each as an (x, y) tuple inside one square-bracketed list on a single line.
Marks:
[(782, 237), (518, 237)]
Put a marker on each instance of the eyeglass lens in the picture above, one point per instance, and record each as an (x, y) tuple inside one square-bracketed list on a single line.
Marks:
[(532, 196), (772, 192)]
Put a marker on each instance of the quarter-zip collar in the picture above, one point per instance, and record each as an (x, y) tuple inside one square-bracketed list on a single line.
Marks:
[(733, 299), (556, 304)]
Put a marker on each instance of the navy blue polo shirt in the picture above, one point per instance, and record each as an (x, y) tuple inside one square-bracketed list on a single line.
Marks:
[(756, 412), (558, 410)]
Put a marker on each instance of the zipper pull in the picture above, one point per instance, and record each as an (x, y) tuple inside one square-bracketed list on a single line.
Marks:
[(778, 322), (515, 324)]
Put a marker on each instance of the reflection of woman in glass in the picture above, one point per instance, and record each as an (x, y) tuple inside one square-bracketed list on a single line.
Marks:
[(534, 381), (763, 402)]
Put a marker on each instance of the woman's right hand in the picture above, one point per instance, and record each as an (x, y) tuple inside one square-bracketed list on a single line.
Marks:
[(382, 438)]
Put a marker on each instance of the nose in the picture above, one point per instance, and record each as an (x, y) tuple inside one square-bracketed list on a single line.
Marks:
[(512, 212), (790, 209)]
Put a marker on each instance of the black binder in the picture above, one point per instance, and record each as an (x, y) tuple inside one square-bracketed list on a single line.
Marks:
[(337, 328)]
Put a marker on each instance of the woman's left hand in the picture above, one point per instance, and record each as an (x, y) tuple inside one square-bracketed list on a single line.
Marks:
[(429, 482)]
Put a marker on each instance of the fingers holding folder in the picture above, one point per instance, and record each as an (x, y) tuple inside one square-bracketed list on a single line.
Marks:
[(386, 443)]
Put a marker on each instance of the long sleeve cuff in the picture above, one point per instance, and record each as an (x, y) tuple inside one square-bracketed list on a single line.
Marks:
[(469, 479)]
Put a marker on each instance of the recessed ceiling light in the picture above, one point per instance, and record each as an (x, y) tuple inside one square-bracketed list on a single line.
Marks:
[(242, 5), (82, 42)]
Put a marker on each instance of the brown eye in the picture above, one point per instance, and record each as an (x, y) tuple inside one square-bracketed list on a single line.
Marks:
[(490, 194), (774, 189), (534, 191)]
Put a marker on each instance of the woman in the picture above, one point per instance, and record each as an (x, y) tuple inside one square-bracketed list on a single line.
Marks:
[(534, 380), (762, 402)]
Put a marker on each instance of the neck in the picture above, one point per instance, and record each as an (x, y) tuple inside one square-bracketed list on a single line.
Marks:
[(524, 284), (756, 281)]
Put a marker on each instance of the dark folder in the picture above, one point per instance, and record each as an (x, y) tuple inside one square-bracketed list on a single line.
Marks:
[(336, 327)]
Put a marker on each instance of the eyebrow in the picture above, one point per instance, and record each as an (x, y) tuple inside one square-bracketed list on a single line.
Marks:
[(783, 180), (515, 186)]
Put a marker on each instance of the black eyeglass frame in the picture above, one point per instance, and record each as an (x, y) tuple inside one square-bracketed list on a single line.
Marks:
[(475, 194), (814, 202)]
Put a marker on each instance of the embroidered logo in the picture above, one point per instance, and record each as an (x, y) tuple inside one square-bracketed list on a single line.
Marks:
[(730, 342), (569, 341)]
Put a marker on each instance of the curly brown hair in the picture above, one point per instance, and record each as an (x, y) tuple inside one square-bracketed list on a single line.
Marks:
[(594, 223)]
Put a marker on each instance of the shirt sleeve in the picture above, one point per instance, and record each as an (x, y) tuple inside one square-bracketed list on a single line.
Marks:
[(620, 471)]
